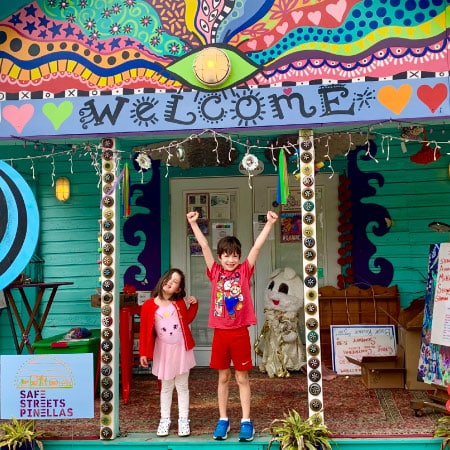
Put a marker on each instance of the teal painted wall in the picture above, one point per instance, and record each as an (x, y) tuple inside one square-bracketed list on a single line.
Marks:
[(413, 194)]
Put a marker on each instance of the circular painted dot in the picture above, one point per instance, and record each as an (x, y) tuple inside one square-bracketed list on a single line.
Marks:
[(34, 50), (311, 308), (106, 382), (106, 433), (107, 321), (314, 376), (315, 405), (106, 370), (107, 358), (312, 324), (313, 337), (106, 408), (107, 395), (314, 363), (15, 45)]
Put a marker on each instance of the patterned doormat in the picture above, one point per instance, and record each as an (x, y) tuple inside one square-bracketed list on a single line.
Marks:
[(350, 409)]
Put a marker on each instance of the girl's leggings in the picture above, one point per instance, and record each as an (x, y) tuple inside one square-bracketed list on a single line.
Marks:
[(181, 382)]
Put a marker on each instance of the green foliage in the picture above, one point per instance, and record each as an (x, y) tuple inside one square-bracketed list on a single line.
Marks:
[(16, 433), (294, 433), (442, 429)]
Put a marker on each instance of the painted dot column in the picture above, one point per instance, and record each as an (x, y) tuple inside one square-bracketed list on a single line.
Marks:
[(310, 281), (110, 300)]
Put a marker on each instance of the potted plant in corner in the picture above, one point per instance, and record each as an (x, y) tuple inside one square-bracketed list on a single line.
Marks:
[(20, 434), (292, 432), (442, 430)]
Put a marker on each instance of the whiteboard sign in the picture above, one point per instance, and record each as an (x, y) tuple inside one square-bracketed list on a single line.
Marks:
[(357, 341)]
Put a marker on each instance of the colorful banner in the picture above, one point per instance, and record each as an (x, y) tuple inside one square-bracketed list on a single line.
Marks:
[(142, 110)]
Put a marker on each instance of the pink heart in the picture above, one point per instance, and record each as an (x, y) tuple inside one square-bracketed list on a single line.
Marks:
[(287, 91), (315, 17), (432, 96), (282, 28), (268, 39), (337, 10), (18, 117), (252, 44), (297, 15)]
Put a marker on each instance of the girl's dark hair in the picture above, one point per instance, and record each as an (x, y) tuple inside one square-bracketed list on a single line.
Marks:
[(158, 290), (229, 245)]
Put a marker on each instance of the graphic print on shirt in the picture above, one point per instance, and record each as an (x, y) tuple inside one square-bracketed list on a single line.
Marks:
[(167, 325), (228, 293)]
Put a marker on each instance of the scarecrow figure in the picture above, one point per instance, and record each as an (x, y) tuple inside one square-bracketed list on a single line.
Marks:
[(282, 335)]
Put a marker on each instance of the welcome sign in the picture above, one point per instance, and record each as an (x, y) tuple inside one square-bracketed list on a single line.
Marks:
[(145, 110), (46, 386)]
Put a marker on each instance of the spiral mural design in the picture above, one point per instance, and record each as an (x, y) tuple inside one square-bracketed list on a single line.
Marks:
[(19, 224)]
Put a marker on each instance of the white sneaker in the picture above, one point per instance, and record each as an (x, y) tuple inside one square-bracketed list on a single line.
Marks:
[(163, 427), (183, 427)]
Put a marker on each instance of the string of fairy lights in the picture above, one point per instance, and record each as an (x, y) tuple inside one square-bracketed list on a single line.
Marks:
[(53, 151)]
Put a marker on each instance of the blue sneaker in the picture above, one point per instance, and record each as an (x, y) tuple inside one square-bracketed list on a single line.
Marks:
[(247, 432), (222, 429)]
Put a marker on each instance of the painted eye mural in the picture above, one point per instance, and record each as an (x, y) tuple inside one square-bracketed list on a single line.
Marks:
[(153, 44)]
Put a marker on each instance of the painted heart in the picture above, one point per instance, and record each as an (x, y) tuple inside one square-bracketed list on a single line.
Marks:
[(18, 117), (337, 10), (315, 17), (282, 28), (252, 44), (296, 16), (395, 99), (432, 96), (268, 39), (58, 114), (287, 91)]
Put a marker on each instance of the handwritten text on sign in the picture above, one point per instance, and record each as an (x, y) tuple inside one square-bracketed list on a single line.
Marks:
[(357, 341), (440, 329)]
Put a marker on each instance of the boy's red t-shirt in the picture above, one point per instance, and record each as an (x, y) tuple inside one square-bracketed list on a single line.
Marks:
[(231, 300)]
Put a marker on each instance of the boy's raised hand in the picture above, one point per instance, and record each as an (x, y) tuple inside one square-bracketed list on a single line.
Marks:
[(272, 217), (192, 216)]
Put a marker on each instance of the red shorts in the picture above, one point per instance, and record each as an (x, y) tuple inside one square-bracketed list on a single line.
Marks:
[(231, 346)]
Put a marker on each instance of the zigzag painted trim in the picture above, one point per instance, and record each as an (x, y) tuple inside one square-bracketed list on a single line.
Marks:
[(74, 93)]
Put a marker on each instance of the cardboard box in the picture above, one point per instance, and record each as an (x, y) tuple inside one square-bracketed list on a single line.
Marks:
[(410, 338), (382, 372)]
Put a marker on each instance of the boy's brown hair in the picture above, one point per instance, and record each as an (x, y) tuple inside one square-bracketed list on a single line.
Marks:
[(158, 290), (229, 245)]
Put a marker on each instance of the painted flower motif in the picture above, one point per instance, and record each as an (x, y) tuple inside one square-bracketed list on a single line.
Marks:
[(144, 161)]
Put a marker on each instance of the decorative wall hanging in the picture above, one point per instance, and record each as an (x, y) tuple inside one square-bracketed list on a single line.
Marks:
[(19, 222)]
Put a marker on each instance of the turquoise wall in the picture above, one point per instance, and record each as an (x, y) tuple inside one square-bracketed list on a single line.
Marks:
[(413, 194)]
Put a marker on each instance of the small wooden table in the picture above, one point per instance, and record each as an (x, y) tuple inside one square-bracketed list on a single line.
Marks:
[(32, 319)]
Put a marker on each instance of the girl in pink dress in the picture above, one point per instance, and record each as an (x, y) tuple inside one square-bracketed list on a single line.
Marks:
[(165, 338)]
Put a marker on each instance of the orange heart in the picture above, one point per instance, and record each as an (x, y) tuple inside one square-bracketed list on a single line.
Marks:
[(395, 99)]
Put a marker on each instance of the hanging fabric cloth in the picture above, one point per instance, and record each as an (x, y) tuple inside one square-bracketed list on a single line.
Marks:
[(283, 179)]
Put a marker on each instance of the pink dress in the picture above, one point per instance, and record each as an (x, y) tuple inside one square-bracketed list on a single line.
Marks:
[(170, 357)]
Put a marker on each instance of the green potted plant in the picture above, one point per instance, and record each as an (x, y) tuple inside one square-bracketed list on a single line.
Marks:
[(16, 434), (292, 432), (442, 430)]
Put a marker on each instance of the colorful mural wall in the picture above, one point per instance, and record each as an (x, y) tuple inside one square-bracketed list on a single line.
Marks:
[(73, 68), (128, 66)]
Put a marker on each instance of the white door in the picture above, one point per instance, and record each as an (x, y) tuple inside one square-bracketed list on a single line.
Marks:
[(244, 208), (224, 203)]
